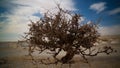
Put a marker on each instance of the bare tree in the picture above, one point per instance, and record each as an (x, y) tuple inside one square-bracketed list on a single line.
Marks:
[(63, 31)]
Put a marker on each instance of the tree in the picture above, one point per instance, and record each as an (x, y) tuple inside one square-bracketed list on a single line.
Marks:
[(63, 31)]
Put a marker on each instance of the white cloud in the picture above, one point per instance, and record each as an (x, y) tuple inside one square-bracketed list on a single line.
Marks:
[(111, 30), (18, 20), (115, 11), (99, 7), (41, 6)]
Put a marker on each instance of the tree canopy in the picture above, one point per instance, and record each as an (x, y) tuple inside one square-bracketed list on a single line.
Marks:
[(64, 31)]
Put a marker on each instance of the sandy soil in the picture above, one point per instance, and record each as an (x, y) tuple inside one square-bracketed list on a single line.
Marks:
[(12, 56)]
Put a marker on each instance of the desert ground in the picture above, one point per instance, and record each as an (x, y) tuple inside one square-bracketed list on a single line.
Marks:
[(14, 56)]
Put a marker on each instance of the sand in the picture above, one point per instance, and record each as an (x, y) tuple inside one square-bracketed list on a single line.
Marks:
[(12, 56)]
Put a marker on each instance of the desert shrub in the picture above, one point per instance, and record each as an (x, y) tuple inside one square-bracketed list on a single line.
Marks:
[(63, 31)]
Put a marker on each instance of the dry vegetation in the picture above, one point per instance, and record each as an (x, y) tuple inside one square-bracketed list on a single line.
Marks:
[(63, 31)]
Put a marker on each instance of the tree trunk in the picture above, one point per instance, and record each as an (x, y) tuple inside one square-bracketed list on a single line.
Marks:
[(67, 57)]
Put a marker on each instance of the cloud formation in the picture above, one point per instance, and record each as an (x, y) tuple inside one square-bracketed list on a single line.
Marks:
[(17, 21), (98, 7), (115, 11)]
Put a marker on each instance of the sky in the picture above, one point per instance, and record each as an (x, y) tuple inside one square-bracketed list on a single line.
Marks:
[(15, 14)]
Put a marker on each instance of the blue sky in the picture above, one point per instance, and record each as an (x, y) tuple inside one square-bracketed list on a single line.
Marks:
[(15, 14), (93, 14)]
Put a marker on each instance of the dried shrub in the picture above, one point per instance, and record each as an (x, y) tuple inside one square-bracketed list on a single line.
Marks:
[(63, 31)]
